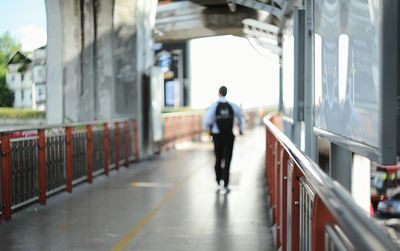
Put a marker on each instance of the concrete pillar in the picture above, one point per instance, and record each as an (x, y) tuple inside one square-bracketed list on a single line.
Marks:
[(104, 72), (70, 48), (99, 51), (146, 17), (87, 60), (126, 90), (55, 113)]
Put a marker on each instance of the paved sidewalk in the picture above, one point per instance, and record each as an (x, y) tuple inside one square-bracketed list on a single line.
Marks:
[(170, 202)]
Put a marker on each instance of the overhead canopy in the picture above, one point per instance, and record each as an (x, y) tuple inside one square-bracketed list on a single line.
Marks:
[(260, 20)]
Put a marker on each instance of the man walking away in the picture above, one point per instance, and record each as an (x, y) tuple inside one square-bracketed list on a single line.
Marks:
[(219, 119)]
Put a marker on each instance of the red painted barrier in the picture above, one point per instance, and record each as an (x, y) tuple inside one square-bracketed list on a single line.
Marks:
[(6, 175), (42, 166), (69, 152), (308, 207), (106, 148), (89, 129), (136, 139), (126, 126), (116, 146)]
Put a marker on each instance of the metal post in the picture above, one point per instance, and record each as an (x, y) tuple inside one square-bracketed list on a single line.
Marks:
[(340, 163), (89, 153), (6, 175), (278, 187), (42, 166), (126, 124), (116, 145), (298, 92), (192, 127), (284, 198), (174, 126), (106, 148), (310, 138), (280, 76), (69, 143), (293, 213), (136, 139), (389, 78), (320, 218)]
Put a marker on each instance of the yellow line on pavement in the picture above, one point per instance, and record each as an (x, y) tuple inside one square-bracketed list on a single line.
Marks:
[(150, 215)]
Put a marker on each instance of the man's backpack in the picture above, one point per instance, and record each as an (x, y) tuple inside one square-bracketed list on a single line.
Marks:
[(224, 117)]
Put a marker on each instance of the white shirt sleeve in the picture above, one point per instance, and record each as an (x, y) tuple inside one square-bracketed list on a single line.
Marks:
[(209, 117), (239, 115)]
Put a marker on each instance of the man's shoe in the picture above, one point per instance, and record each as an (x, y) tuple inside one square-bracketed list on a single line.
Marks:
[(225, 190)]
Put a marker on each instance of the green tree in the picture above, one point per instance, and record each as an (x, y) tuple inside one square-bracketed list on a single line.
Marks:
[(6, 95), (8, 46)]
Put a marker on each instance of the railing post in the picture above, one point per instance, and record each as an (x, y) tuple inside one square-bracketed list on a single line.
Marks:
[(116, 145), (278, 186), (273, 181), (199, 126), (267, 153), (320, 217), (106, 148), (284, 199), (167, 134), (89, 174), (69, 143), (295, 209), (42, 167), (193, 128), (174, 129), (135, 136), (187, 127), (6, 175), (126, 123)]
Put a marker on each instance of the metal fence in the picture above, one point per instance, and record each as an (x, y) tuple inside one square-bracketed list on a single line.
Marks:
[(79, 155), (37, 162), (181, 126), (24, 175), (55, 162), (310, 210), (98, 149)]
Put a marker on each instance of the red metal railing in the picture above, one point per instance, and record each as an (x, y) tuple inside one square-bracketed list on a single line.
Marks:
[(50, 158), (310, 211), (179, 126), (37, 162)]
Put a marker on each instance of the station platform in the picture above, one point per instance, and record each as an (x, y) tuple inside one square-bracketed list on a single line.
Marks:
[(169, 202)]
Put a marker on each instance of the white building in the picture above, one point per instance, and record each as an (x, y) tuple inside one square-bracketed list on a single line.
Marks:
[(27, 79), (20, 80), (39, 77)]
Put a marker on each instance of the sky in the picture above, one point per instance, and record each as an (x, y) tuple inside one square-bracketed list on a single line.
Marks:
[(26, 21), (252, 78)]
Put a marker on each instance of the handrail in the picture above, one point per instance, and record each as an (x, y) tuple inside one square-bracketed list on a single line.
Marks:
[(74, 124), (354, 222), (77, 152)]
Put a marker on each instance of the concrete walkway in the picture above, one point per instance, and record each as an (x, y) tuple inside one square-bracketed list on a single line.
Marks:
[(170, 202)]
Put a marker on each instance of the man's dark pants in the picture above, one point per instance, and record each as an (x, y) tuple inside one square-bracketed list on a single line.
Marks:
[(223, 148)]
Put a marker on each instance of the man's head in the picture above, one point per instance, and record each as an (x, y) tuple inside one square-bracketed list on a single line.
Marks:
[(223, 91)]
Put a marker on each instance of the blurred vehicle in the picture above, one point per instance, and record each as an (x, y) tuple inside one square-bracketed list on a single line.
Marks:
[(385, 182), (389, 207)]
